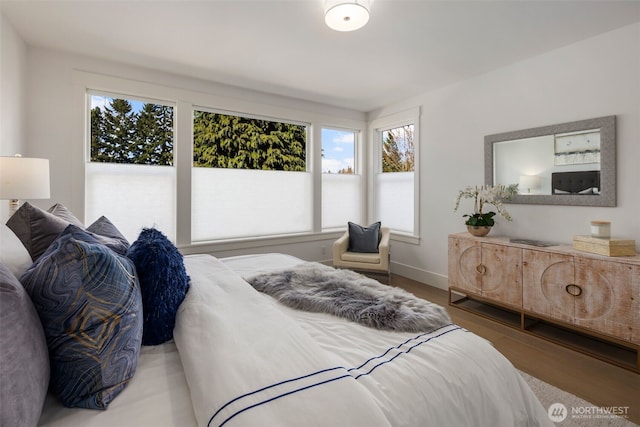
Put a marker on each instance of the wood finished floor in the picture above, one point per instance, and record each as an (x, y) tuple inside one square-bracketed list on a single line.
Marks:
[(596, 381)]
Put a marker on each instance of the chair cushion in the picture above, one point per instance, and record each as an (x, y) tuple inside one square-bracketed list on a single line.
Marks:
[(364, 239), (368, 258)]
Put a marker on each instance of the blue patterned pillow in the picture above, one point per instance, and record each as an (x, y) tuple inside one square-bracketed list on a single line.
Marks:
[(163, 283), (89, 302)]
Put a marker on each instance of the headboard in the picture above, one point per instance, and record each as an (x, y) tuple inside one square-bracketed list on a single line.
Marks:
[(578, 182)]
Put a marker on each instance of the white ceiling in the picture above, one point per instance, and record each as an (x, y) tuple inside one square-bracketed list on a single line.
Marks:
[(284, 47)]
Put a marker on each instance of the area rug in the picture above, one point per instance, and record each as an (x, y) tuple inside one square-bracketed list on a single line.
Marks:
[(567, 410)]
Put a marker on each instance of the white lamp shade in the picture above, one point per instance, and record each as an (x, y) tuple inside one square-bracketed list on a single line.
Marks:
[(24, 178), (344, 15)]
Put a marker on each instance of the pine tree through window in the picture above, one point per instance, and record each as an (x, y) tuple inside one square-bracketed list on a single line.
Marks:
[(398, 149), (130, 131), (130, 173), (235, 142)]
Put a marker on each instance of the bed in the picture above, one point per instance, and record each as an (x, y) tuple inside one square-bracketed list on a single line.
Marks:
[(239, 357), (231, 341), (576, 182)]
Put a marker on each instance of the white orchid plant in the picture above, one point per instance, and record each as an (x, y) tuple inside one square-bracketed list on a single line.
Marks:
[(486, 195)]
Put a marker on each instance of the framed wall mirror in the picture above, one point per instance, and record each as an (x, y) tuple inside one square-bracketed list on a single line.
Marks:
[(565, 164)]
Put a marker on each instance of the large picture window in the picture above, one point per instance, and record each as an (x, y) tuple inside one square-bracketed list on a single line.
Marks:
[(202, 175), (130, 176), (249, 177)]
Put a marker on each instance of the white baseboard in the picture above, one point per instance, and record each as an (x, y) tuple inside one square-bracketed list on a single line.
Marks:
[(433, 279)]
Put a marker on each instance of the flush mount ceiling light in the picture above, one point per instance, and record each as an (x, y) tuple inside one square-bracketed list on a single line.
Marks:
[(344, 15)]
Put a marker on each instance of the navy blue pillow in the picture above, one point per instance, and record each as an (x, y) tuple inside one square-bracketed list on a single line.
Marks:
[(89, 302), (364, 239), (163, 282)]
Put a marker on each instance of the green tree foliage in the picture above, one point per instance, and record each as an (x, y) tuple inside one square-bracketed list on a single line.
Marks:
[(154, 135), (99, 149), (120, 135), (225, 141), (119, 130), (398, 150), (391, 156)]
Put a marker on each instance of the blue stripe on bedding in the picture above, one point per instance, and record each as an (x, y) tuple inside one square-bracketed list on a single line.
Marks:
[(401, 351), (329, 375)]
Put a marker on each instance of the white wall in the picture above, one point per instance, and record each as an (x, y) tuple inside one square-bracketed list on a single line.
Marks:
[(13, 90), (593, 78)]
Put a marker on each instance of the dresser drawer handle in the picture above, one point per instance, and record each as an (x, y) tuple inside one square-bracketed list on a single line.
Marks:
[(574, 290), (481, 268)]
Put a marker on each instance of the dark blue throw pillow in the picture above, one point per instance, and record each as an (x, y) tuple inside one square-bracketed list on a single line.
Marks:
[(89, 302), (364, 239), (163, 281)]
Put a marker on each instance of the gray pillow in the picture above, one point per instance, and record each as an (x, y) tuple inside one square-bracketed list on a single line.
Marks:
[(62, 212), (37, 228), (364, 239), (109, 235), (24, 359)]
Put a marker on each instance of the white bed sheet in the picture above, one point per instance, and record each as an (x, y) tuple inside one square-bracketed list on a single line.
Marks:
[(250, 265), (157, 395)]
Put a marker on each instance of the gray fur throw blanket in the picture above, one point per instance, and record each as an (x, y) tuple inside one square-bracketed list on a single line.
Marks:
[(318, 288)]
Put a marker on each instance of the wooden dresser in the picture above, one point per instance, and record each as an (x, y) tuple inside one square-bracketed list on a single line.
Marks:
[(581, 300)]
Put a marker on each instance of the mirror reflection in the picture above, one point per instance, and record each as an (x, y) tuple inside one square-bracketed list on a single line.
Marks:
[(570, 163), (534, 163)]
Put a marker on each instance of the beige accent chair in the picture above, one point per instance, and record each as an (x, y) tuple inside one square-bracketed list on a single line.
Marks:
[(365, 262)]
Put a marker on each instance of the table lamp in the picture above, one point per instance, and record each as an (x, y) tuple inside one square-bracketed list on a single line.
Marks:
[(23, 178)]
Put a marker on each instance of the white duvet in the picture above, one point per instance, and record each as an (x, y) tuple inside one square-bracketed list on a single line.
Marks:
[(249, 361)]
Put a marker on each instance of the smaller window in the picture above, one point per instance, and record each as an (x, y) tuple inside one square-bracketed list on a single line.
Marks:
[(398, 149), (338, 151)]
